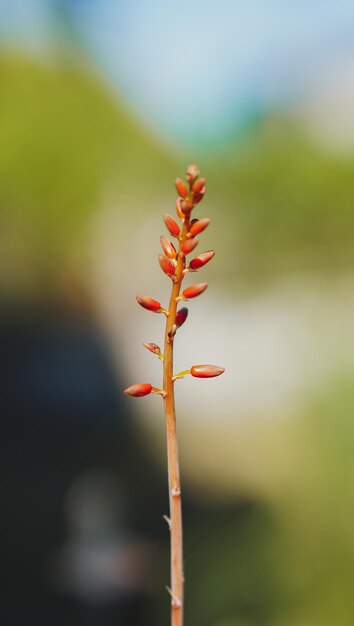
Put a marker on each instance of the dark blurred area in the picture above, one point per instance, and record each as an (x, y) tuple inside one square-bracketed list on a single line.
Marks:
[(62, 424), (99, 112)]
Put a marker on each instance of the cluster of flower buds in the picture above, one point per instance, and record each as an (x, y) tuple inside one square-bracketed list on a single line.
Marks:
[(172, 261)]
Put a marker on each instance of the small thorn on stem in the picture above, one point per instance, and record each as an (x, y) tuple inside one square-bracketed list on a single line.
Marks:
[(175, 601), (167, 520), (175, 492)]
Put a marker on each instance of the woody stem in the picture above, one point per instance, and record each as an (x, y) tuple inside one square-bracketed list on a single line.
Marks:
[(177, 577)]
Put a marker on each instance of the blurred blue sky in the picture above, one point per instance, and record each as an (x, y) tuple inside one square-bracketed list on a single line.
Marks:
[(196, 71)]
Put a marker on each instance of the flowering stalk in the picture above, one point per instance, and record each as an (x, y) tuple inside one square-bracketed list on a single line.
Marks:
[(173, 264)]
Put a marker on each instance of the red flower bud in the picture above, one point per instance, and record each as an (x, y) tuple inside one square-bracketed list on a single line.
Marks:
[(138, 390), (181, 316), (199, 184), (181, 188), (192, 173), (188, 245), (168, 247), (201, 260), (199, 195), (206, 371), (171, 225), (153, 347), (149, 304), (199, 226), (195, 290), (166, 265)]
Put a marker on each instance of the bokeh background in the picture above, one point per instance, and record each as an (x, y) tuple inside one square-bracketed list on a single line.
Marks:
[(102, 104)]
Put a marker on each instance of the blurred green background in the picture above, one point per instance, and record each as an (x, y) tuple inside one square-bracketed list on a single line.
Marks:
[(86, 171)]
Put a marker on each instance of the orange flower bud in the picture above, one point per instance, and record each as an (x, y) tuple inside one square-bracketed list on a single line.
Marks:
[(192, 173), (168, 247), (195, 290), (201, 260), (181, 316), (199, 184), (179, 210), (199, 226), (153, 347), (181, 188), (206, 371), (149, 304), (138, 390), (166, 265), (171, 225), (188, 245)]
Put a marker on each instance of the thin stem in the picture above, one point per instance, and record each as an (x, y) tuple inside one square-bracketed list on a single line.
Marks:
[(174, 483)]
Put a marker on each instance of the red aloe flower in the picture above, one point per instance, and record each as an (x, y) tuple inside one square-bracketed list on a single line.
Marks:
[(153, 347), (181, 188), (181, 316), (198, 185), (173, 262), (192, 173), (138, 390), (198, 226), (201, 260), (171, 225), (168, 247), (149, 304), (166, 265), (188, 245), (206, 371), (195, 290), (199, 195)]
